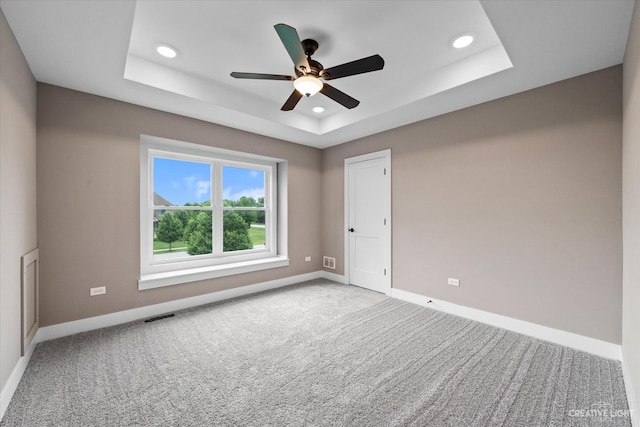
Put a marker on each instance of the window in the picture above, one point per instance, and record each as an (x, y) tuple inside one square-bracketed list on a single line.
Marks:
[(207, 212)]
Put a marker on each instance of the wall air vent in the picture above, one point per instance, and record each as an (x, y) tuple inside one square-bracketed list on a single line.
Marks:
[(153, 319), (328, 262)]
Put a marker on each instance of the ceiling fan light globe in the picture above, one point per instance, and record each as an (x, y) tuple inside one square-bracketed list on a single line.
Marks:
[(307, 85)]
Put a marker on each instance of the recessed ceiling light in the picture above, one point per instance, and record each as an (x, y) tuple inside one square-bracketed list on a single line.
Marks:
[(166, 51), (463, 41), (318, 109)]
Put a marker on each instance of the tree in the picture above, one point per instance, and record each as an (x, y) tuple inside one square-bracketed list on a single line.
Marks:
[(197, 234), (249, 217), (236, 233), (183, 216), (246, 201), (169, 229)]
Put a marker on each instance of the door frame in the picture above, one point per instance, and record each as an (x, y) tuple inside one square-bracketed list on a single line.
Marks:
[(386, 155)]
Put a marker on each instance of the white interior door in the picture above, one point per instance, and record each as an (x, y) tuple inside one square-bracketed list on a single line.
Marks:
[(368, 220)]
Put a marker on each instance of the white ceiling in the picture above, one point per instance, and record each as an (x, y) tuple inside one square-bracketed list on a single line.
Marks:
[(107, 48)]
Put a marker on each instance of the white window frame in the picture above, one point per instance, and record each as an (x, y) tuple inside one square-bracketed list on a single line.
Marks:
[(156, 273)]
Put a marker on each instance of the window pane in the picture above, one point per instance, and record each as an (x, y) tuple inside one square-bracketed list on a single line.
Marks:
[(181, 233), (242, 186), (181, 182)]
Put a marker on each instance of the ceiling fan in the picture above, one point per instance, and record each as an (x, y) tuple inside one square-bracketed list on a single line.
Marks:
[(309, 72)]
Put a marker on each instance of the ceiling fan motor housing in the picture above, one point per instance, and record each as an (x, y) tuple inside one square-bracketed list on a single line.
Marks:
[(309, 46), (316, 69)]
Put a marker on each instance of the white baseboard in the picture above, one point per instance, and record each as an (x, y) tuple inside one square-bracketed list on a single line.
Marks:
[(117, 318), (580, 342), (335, 277), (631, 396), (16, 375)]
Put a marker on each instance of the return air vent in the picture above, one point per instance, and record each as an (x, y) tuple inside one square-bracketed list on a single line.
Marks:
[(329, 262), (153, 319)]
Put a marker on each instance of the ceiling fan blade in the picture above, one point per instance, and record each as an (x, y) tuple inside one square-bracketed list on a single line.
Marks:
[(260, 76), (292, 101), (339, 96), (359, 66), (291, 42)]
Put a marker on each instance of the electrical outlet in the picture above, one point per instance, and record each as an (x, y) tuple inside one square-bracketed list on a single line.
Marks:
[(453, 282), (101, 290), (307, 258)]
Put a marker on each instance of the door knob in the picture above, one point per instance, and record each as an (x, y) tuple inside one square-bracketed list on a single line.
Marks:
[(351, 229)]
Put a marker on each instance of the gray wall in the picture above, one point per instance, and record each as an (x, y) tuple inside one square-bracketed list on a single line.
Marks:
[(17, 188), (88, 202), (631, 206), (519, 198)]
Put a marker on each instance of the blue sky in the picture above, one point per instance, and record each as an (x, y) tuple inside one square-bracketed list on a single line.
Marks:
[(181, 181)]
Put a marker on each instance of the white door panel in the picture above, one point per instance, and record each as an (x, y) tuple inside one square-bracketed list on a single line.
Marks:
[(368, 221)]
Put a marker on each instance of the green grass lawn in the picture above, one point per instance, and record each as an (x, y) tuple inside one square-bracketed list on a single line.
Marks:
[(256, 235), (162, 247)]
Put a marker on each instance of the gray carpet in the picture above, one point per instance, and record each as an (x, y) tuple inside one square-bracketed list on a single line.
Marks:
[(318, 353)]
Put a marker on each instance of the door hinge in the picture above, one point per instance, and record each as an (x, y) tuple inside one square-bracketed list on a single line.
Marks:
[(385, 171), (385, 271), (385, 221)]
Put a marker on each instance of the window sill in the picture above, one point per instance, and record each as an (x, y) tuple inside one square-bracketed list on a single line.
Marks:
[(158, 280)]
